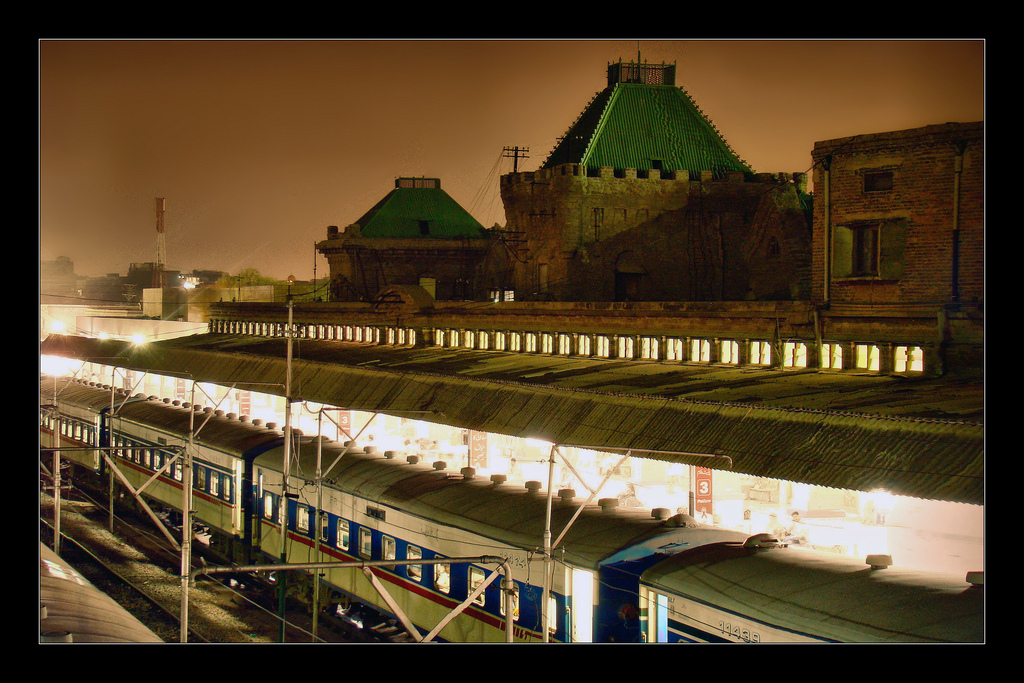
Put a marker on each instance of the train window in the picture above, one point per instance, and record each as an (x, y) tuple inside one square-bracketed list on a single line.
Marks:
[(387, 549), (341, 539), (661, 620), (268, 506), (443, 577), (582, 606), (413, 571), (552, 615), (325, 528), (201, 478), (365, 542), (515, 605), (215, 484), (302, 514), (476, 577)]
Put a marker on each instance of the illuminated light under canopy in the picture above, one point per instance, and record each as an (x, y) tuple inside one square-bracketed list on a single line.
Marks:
[(59, 366)]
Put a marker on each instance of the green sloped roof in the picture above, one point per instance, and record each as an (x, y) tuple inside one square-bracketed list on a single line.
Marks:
[(419, 213), (630, 125)]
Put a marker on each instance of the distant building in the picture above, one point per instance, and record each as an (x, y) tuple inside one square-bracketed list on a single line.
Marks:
[(146, 275), (199, 278), (57, 278), (416, 235)]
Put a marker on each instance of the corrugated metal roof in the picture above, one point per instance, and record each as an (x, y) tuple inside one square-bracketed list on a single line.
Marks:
[(920, 437), (629, 125)]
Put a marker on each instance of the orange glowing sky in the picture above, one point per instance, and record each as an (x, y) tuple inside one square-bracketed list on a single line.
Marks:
[(258, 146)]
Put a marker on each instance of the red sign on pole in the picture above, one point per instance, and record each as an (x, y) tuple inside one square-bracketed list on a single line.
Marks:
[(702, 492), (344, 419)]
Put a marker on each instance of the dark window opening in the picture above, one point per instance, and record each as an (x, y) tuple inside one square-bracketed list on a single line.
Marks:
[(424, 228), (880, 181), (865, 250)]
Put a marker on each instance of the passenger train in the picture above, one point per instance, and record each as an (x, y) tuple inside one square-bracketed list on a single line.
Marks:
[(617, 574)]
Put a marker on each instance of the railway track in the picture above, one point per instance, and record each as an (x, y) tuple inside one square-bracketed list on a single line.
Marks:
[(134, 598), (148, 584)]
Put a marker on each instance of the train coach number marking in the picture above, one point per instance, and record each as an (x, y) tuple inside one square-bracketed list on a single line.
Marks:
[(739, 632), (517, 561)]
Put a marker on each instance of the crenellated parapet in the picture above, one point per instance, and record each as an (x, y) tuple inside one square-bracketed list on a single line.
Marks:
[(567, 174)]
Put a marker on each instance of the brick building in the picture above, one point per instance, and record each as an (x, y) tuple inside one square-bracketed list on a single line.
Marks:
[(643, 200), (905, 214), (416, 235), (899, 234)]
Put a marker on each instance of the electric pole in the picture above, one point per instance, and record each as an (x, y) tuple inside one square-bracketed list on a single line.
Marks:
[(515, 152)]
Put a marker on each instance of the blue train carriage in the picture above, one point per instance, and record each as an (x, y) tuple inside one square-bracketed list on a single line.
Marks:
[(757, 592), (377, 508), (224, 446), (380, 507)]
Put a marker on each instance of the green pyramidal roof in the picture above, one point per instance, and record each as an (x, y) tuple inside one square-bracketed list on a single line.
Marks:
[(419, 209), (645, 126)]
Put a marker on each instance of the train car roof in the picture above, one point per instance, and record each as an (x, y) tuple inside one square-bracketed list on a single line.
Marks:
[(72, 609), (508, 513), (215, 429), (222, 431), (93, 397), (833, 596)]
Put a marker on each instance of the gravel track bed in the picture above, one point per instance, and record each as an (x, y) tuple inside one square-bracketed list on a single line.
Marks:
[(216, 612)]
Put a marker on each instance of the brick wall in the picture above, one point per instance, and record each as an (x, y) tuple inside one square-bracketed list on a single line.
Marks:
[(935, 197), (686, 238)]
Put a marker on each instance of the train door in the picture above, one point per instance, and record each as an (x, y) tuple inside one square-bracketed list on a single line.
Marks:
[(654, 611), (581, 612)]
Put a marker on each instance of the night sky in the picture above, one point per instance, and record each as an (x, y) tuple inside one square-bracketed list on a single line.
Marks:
[(258, 146)]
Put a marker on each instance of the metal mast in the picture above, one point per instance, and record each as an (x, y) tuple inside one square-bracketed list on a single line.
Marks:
[(161, 245)]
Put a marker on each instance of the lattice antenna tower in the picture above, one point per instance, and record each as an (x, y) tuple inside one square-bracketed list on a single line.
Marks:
[(161, 244)]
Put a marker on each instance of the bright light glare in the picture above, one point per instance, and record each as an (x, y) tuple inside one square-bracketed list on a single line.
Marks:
[(57, 326), (56, 365), (882, 499), (138, 338)]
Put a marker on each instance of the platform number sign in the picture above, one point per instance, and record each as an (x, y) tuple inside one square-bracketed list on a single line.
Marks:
[(703, 492)]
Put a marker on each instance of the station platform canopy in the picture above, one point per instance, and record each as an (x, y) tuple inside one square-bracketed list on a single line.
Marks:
[(915, 436)]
